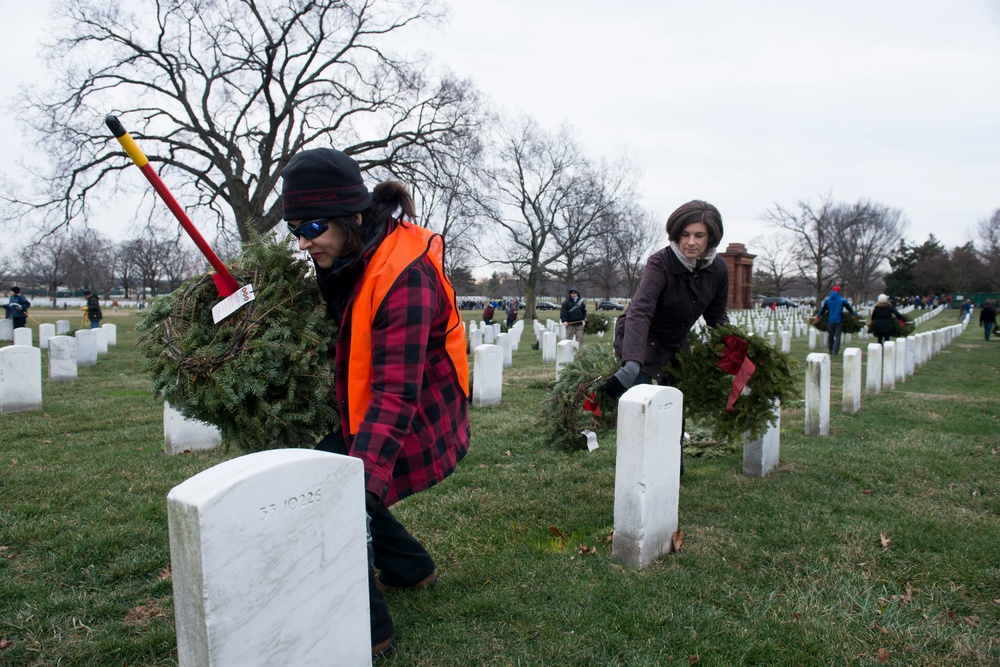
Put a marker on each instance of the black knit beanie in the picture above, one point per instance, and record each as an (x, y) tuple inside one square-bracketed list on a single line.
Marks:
[(322, 183)]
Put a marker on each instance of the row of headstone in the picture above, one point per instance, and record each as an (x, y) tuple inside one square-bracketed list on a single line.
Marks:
[(21, 365), (889, 363)]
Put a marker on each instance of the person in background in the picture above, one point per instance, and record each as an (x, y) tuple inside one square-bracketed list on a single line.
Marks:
[(834, 306), (402, 374), (883, 324), (94, 313), (17, 307), (488, 312), (574, 315), (511, 313), (988, 317)]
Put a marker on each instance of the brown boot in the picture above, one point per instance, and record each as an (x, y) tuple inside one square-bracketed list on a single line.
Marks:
[(383, 649)]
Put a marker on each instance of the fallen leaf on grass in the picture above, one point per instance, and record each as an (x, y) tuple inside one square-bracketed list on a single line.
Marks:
[(4, 644), (46, 442), (677, 540), (885, 540), (586, 550), (165, 573), (883, 656), (558, 534), (143, 613), (867, 492), (13, 462), (971, 620), (905, 598), (693, 659), (611, 536), (997, 601)]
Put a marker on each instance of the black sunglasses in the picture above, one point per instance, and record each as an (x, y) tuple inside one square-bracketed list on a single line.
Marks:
[(309, 230)]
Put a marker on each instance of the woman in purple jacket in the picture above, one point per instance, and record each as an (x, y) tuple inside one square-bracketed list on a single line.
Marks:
[(679, 284)]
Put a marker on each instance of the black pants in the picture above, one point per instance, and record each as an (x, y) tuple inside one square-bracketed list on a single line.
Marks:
[(834, 332), (401, 560)]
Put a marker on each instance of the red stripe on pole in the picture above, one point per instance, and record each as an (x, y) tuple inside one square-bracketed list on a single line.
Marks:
[(224, 281)]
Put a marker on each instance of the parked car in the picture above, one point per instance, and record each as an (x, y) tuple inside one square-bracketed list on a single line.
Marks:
[(610, 305), (545, 305), (779, 301)]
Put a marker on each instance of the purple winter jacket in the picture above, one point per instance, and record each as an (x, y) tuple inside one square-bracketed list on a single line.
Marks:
[(666, 304)]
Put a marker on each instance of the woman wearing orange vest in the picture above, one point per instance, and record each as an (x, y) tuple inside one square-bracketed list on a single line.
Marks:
[(402, 375)]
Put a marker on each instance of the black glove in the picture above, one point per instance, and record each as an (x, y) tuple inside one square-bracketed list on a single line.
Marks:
[(621, 381)]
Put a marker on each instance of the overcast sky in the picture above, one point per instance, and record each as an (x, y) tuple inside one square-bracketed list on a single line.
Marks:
[(742, 103)]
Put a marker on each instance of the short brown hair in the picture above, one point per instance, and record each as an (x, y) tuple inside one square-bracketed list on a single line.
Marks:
[(694, 211)]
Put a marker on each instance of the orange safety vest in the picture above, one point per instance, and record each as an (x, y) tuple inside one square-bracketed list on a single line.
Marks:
[(404, 246)]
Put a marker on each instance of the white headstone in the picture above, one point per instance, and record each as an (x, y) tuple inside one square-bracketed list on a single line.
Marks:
[(476, 338), (23, 336), (20, 379), (760, 456), (817, 413), (549, 340), (647, 473), (487, 376), (852, 379), (62, 327), (874, 375), (86, 347), (111, 331), (45, 332), (504, 341), (888, 365), (269, 562), (181, 434), (6, 329), (62, 358), (812, 338), (488, 335), (101, 336), (901, 345), (565, 353), (786, 340)]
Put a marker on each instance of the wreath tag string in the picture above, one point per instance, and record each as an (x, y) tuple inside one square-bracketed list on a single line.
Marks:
[(735, 362)]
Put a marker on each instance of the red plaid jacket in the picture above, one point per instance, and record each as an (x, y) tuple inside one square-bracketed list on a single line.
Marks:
[(416, 426)]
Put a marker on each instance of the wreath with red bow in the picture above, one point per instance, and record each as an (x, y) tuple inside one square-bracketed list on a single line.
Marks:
[(732, 381)]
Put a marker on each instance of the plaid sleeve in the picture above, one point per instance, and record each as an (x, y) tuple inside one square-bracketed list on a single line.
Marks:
[(400, 335)]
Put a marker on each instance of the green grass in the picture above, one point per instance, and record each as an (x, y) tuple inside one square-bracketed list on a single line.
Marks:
[(885, 535)]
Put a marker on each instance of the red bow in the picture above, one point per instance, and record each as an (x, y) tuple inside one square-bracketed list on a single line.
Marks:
[(735, 362), (590, 404)]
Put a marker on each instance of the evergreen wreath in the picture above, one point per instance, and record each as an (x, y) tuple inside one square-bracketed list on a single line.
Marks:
[(852, 323), (596, 323), (563, 414), (706, 387), (264, 375)]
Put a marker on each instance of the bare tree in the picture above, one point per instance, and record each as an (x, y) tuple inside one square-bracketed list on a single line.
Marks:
[(637, 236), (989, 248), (93, 264), (812, 233), (775, 262), (49, 262), (219, 96), (537, 194), (865, 235)]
